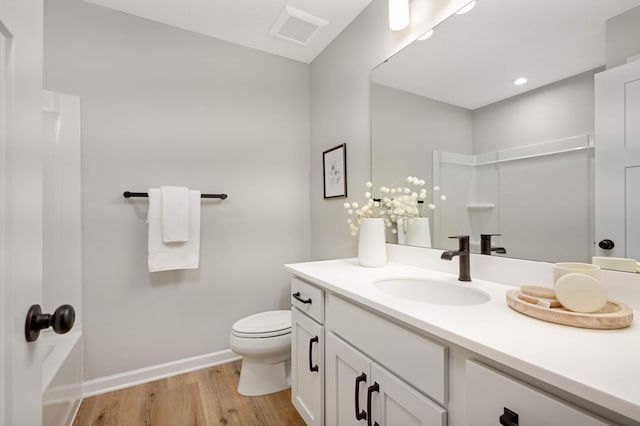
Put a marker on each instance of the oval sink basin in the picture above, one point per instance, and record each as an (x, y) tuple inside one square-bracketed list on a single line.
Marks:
[(434, 292)]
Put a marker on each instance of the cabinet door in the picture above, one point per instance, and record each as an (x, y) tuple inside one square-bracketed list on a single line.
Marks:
[(307, 368), (347, 380), (494, 398), (395, 403)]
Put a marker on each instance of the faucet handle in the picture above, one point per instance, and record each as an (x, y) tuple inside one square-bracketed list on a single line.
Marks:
[(463, 242)]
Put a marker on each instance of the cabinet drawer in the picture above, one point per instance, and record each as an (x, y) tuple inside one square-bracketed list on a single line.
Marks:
[(411, 356), (308, 299), (490, 392)]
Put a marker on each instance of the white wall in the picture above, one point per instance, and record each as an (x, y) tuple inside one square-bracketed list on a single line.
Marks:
[(163, 106), (340, 109)]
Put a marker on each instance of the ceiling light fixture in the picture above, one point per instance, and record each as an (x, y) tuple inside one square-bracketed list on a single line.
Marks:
[(398, 14), (520, 81), (467, 8), (426, 35)]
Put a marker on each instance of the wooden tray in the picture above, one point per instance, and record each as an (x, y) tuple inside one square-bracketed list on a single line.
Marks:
[(613, 315)]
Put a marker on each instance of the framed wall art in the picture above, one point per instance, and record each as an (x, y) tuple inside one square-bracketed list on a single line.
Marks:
[(334, 170)]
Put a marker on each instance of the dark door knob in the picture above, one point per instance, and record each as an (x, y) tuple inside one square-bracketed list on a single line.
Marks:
[(509, 418), (61, 320), (606, 244)]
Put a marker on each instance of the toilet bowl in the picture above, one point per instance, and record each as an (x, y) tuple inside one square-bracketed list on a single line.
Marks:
[(264, 341)]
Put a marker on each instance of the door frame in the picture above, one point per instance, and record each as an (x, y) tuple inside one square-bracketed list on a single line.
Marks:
[(5, 294)]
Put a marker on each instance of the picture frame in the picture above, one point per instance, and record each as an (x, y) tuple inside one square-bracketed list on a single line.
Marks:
[(334, 172)]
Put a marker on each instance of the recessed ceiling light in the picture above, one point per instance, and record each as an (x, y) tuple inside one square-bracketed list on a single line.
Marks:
[(426, 35), (467, 8), (520, 81)]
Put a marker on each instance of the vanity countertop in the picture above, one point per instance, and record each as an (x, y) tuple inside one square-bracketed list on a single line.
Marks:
[(602, 366)]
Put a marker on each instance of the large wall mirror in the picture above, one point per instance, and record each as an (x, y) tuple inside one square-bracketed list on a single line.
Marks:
[(514, 158)]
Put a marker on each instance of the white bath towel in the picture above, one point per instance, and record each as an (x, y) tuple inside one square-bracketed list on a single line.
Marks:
[(175, 214), (179, 255)]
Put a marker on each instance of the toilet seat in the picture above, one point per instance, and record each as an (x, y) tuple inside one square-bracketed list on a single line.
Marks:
[(263, 325)]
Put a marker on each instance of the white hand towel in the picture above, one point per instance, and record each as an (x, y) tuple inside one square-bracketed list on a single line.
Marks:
[(175, 214), (180, 255)]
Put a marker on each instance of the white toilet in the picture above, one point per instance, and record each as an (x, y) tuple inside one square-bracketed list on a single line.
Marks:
[(264, 341)]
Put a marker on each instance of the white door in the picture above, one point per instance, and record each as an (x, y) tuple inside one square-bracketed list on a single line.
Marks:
[(617, 134), (307, 368), (347, 380), (395, 403), (20, 208)]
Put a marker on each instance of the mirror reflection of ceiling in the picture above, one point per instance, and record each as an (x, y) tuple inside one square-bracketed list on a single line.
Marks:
[(555, 39)]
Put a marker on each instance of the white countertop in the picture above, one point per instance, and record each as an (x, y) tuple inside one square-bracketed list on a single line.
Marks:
[(602, 366)]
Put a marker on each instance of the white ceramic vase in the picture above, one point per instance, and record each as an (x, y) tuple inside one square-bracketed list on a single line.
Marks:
[(372, 250), (418, 232)]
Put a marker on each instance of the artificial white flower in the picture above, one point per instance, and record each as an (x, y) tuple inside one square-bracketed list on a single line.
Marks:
[(443, 197), (402, 204), (436, 188)]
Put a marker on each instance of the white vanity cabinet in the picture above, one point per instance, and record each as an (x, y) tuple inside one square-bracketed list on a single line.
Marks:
[(307, 351), (372, 367), (494, 398), (359, 388)]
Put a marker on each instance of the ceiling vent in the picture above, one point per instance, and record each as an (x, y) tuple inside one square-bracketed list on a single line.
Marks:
[(296, 26)]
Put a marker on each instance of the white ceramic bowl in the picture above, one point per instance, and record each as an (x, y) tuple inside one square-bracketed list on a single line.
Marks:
[(563, 268)]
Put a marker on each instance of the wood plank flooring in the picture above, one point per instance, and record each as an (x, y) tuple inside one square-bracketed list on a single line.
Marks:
[(204, 398)]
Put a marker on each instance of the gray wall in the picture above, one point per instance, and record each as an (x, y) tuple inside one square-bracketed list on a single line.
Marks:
[(623, 37), (406, 128), (555, 111), (163, 106), (340, 110), (556, 223)]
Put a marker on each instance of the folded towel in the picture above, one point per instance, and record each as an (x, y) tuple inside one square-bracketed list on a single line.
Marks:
[(179, 255), (175, 214)]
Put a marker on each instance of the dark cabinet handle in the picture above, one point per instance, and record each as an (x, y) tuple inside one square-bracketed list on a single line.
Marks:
[(61, 320), (509, 418), (373, 388), (311, 342), (606, 244), (296, 296), (360, 414)]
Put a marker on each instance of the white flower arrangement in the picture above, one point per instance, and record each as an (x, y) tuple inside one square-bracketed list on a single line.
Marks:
[(394, 203)]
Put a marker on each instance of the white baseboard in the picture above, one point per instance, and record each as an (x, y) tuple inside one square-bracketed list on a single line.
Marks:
[(149, 374)]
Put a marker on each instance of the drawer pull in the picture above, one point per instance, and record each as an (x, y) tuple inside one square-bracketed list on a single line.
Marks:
[(296, 296), (509, 418), (360, 414), (311, 366), (373, 388)]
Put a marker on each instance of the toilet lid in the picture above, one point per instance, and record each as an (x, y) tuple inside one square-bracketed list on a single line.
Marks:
[(264, 324)]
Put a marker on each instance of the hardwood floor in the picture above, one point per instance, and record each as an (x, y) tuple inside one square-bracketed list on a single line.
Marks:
[(204, 398)]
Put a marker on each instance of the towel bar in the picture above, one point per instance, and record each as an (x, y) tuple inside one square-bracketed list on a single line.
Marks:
[(129, 194)]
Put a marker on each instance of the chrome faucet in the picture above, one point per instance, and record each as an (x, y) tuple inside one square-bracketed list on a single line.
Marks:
[(485, 245), (463, 254)]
